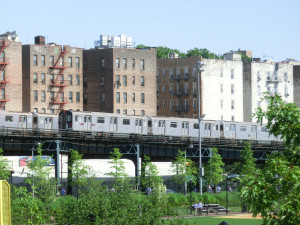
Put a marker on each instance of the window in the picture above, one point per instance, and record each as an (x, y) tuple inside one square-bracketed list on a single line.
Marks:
[(264, 129), (164, 72), (221, 88), (186, 104), (142, 98), (125, 111), (186, 88), (142, 81), (103, 97), (62, 96), (125, 97), (52, 111), (133, 97), (194, 88), (124, 63), (118, 80), (243, 128), (124, 80), (77, 97), (232, 89), (258, 76), (171, 73), (35, 78), (77, 62), (173, 124), (171, 88), (118, 111), (285, 77), (221, 104), (9, 119), (77, 80), (35, 95), (163, 103), (232, 118), (258, 90), (43, 77), (171, 104), (142, 112), (35, 63), (43, 110), (232, 104), (70, 96), (70, 79), (126, 121), (221, 72), (117, 62), (70, 64), (142, 64), (52, 78), (36, 111), (194, 103), (42, 60), (52, 60), (118, 97), (102, 80), (133, 63), (194, 72), (2, 55), (232, 74), (2, 75), (196, 126), (133, 80), (52, 95), (102, 63), (43, 97), (133, 112), (164, 88), (100, 120)]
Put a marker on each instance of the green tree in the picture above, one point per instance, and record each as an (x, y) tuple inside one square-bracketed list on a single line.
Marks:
[(4, 171), (163, 52), (42, 185), (79, 171), (214, 169), (203, 52), (247, 161), (149, 175), (184, 170), (274, 191)]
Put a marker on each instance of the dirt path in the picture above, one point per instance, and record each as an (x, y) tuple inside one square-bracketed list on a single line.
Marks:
[(239, 216)]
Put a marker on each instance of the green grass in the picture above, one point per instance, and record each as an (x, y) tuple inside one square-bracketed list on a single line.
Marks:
[(216, 220)]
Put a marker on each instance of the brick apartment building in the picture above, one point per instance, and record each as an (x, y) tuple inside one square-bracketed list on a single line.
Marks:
[(52, 77), (10, 72), (221, 88), (120, 80)]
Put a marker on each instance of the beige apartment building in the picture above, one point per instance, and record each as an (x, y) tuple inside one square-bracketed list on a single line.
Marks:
[(52, 77), (10, 72), (120, 80)]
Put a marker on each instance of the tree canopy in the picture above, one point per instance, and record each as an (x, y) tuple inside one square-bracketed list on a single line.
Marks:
[(274, 191)]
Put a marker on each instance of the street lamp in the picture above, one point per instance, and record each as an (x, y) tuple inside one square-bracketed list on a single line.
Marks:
[(200, 69)]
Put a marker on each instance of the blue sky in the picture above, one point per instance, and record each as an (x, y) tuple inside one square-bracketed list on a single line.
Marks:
[(267, 27)]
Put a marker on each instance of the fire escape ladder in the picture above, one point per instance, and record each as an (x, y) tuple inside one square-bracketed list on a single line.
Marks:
[(3, 81), (58, 82)]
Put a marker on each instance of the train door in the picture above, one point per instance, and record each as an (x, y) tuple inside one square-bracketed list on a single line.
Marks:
[(35, 124), (253, 132), (222, 131), (113, 124), (207, 130), (48, 123), (22, 121), (185, 128), (232, 131), (138, 128), (87, 125), (161, 127)]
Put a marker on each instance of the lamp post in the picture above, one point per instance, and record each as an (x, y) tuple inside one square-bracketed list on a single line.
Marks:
[(200, 69)]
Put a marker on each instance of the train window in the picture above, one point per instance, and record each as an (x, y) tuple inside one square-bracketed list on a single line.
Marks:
[(100, 119), (161, 123), (207, 126), (149, 123), (126, 121), (264, 129), (9, 119), (69, 118), (243, 128), (216, 127), (173, 124), (253, 128), (35, 120), (196, 125)]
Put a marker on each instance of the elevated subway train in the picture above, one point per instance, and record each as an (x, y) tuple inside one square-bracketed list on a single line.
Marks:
[(116, 123)]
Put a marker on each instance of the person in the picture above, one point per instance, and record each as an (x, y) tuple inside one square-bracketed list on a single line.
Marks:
[(63, 191), (209, 189), (229, 189), (200, 206), (218, 190), (148, 191), (196, 208)]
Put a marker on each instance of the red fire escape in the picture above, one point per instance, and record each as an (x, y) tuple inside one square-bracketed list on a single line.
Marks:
[(3, 81), (58, 81)]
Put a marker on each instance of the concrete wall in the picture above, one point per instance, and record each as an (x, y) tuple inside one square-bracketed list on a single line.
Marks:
[(296, 84)]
